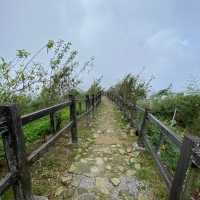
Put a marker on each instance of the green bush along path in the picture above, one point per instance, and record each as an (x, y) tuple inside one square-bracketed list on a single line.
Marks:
[(107, 164)]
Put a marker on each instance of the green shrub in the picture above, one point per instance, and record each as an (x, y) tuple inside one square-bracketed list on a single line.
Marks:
[(132, 88), (188, 110)]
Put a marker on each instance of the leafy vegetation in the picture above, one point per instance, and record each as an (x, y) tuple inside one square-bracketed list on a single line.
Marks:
[(95, 87), (23, 79), (180, 112), (131, 88), (33, 85), (185, 107)]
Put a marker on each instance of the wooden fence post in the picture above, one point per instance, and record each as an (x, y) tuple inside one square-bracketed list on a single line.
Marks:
[(182, 168), (73, 119), (16, 157), (53, 122), (96, 100), (87, 102), (141, 131)]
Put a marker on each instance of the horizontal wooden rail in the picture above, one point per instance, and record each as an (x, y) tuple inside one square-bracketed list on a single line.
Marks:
[(36, 154), (35, 115), (165, 130), (41, 113)]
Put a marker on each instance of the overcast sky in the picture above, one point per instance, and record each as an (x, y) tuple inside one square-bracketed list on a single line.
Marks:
[(124, 36)]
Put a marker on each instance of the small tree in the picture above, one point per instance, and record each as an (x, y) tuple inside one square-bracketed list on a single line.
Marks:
[(23, 76), (64, 72), (131, 88), (15, 80), (95, 87)]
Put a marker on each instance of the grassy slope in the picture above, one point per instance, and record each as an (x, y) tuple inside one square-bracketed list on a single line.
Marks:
[(33, 133)]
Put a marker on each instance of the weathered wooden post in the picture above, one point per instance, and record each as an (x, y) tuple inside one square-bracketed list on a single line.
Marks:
[(100, 96), (87, 102), (182, 168), (53, 122), (74, 133), (141, 130), (16, 157), (97, 99)]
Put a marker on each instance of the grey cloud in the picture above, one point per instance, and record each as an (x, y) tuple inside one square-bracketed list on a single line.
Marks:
[(124, 36)]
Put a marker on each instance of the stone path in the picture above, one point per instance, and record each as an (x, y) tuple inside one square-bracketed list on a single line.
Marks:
[(105, 163)]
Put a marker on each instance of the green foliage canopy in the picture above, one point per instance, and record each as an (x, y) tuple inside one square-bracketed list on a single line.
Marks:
[(131, 88), (26, 79)]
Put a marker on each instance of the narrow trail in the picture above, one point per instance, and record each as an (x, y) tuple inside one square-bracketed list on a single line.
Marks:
[(105, 164)]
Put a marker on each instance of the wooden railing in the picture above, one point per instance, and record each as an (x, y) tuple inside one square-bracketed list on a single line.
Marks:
[(11, 124), (189, 147)]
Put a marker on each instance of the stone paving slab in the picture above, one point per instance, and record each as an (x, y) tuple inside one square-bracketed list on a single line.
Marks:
[(105, 165)]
